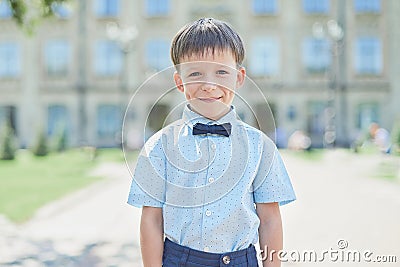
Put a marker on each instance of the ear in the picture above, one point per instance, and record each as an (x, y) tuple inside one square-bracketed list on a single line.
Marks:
[(241, 76), (178, 81)]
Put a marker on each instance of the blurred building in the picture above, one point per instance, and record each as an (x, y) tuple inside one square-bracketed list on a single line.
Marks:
[(327, 79)]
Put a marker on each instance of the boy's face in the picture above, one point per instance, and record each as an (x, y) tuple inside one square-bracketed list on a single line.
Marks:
[(209, 82)]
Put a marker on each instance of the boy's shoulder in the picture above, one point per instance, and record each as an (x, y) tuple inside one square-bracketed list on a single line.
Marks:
[(169, 131)]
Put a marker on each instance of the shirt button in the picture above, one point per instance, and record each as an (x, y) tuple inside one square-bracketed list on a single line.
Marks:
[(213, 146), (208, 213), (211, 179), (226, 259), (206, 249)]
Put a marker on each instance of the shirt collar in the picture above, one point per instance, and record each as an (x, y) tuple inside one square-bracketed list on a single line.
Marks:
[(190, 117)]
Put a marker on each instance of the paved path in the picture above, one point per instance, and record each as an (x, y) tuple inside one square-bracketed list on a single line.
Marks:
[(93, 227), (337, 199)]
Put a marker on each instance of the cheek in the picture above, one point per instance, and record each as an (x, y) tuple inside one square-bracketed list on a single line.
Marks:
[(229, 89), (229, 84), (189, 91), (230, 95)]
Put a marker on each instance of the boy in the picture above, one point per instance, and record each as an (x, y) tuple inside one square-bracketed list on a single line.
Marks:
[(209, 183)]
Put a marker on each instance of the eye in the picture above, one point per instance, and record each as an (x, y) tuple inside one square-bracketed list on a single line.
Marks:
[(222, 72), (194, 74)]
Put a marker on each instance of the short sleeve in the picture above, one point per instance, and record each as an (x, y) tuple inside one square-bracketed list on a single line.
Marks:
[(148, 182), (272, 182)]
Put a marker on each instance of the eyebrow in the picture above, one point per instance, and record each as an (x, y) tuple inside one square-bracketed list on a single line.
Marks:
[(190, 69)]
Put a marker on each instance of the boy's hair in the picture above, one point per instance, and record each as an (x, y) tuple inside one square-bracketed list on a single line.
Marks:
[(203, 35)]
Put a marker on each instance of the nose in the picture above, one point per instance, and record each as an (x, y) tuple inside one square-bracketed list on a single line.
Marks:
[(208, 86)]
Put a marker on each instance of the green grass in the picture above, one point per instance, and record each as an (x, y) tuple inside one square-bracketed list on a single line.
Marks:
[(388, 169), (27, 183), (368, 150), (312, 155), (389, 165), (115, 155)]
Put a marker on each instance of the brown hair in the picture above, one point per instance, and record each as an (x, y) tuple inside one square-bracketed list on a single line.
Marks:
[(206, 34)]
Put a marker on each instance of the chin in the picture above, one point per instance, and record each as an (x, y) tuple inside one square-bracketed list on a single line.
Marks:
[(210, 110)]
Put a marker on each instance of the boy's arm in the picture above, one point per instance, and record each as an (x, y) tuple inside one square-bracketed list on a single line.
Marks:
[(152, 236), (270, 232)]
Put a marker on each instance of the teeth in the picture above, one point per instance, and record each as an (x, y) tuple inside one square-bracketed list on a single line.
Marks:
[(210, 99)]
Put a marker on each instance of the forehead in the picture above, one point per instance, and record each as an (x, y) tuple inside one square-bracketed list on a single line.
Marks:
[(209, 57)]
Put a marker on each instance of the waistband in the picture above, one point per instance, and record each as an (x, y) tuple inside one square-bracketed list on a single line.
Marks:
[(186, 254)]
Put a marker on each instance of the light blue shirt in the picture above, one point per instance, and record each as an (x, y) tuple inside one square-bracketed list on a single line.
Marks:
[(207, 185)]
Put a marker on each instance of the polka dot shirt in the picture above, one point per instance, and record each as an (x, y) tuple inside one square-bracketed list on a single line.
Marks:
[(207, 185)]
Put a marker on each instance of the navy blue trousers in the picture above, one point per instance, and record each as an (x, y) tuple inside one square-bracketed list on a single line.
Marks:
[(176, 255)]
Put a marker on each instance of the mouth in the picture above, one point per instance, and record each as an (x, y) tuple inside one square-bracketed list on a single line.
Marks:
[(209, 99)]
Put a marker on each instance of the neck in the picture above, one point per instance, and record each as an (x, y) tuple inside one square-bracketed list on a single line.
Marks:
[(213, 117)]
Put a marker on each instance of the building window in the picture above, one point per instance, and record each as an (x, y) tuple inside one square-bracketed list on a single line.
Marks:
[(57, 56), (8, 115), (10, 58), (107, 58), (368, 56), (316, 55), (261, 7), (58, 120), (367, 114), (109, 121), (60, 10), (157, 54), (367, 6), (264, 57), (107, 8), (316, 6), (155, 8), (5, 10)]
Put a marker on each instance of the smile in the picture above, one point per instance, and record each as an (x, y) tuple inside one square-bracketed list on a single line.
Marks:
[(210, 99)]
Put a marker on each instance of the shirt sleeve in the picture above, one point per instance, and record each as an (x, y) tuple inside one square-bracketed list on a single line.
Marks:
[(148, 182), (272, 182)]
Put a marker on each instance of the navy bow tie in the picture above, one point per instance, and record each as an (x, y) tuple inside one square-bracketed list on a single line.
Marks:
[(223, 129)]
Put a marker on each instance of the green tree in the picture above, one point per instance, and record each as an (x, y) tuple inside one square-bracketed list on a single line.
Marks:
[(7, 143), (27, 13), (40, 148), (60, 140)]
